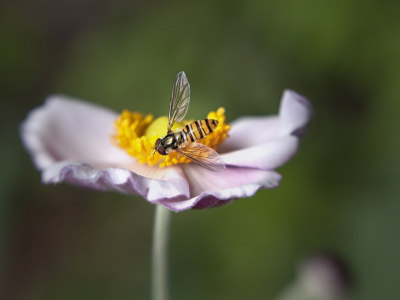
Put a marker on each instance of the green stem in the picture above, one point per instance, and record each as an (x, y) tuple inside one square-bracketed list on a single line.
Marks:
[(159, 276)]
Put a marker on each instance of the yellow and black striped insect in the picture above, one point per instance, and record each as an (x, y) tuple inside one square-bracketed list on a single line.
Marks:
[(185, 141), (200, 129)]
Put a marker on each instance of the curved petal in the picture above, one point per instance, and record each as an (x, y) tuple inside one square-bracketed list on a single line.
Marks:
[(266, 156), (250, 131), (64, 128), (171, 183), (209, 189), (294, 113)]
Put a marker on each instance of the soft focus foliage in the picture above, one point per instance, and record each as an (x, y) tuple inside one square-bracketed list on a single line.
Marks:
[(339, 193)]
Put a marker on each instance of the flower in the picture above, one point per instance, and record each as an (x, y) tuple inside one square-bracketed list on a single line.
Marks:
[(71, 140)]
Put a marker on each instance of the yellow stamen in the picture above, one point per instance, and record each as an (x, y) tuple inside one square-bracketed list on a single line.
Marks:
[(137, 134)]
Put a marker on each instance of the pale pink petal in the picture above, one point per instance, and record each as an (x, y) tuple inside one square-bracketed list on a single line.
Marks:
[(250, 131), (209, 189), (266, 156), (171, 182), (294, 113), (63, 128)]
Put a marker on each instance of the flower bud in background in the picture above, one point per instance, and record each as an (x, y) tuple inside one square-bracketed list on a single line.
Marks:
[(319, 277)]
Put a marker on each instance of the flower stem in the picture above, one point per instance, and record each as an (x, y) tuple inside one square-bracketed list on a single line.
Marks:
[(159, 276)]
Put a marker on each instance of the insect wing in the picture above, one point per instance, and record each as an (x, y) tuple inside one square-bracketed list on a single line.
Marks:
[(180, 97), (203, 155)]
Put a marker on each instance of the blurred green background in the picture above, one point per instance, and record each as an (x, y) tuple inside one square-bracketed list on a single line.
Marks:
[(340, 193)]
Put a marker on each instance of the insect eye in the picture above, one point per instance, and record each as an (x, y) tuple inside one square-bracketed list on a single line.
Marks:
[(158, 142), (161, 150)]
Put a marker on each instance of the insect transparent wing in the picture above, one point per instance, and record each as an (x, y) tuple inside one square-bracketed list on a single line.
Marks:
[(180, 97), (203, 155)]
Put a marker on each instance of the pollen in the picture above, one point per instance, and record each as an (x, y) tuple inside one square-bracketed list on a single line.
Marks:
[(137, 135)]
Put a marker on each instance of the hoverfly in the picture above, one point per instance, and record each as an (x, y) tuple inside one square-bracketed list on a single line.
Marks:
[(184, 141)]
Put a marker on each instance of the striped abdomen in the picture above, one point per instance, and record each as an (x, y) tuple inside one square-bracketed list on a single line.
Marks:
[(199, 129)]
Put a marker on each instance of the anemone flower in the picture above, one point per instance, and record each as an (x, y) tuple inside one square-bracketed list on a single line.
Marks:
[(91, 146)]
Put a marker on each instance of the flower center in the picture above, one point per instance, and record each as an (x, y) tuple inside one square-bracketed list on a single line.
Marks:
[(137, 134)]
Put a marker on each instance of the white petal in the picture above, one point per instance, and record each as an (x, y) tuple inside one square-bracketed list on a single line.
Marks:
[(211, 189), (266, 156), (66, 129), (250, 131), (171, 182), (294, 113)]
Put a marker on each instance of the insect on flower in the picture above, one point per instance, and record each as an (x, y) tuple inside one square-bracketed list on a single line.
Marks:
[(85, 144), (185, 141)]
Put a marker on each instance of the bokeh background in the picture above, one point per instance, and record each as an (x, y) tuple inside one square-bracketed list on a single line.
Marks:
[(340, 193)]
